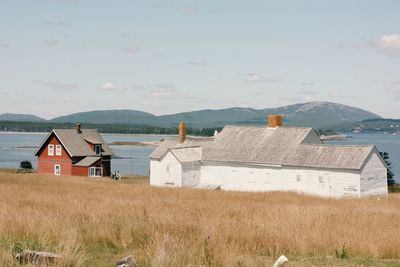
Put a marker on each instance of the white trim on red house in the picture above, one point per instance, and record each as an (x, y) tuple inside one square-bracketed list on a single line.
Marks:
[(50, 150), (58, 150), (95, 172), (57, 169)]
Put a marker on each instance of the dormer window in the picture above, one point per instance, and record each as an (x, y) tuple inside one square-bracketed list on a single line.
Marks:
[(97, 149)]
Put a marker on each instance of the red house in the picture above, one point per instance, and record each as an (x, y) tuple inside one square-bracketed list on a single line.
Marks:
[(81, 152)]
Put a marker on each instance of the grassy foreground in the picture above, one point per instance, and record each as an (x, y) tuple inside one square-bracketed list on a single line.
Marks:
[(93, 222)]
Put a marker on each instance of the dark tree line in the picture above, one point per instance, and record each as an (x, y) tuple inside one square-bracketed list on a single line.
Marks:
[(10, 126)]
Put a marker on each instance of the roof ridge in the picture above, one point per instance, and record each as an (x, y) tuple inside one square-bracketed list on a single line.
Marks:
[(266, 127), (335, 145), (184, 147)]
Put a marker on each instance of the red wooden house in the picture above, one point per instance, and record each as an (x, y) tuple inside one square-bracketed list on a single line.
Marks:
[(81, 152)]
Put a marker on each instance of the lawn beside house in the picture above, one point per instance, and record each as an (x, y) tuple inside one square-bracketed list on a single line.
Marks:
[(95, 221)]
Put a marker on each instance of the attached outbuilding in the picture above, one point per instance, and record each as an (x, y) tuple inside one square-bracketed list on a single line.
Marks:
[(251, 158)]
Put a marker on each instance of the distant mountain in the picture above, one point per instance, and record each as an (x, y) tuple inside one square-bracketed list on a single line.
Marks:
[(20, 117), (133, 117), (312, 114)]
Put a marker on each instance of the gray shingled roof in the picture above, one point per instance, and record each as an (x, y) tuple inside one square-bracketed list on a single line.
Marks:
[(255, 144), (330, 156), (87, 161), (75, 143), (270, 146), (187, 154), (168, 144)]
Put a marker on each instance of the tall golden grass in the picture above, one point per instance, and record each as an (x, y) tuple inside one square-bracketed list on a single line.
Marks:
[(94, 222)]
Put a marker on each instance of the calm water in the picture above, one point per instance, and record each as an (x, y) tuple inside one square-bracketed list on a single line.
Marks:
[(134, 159)]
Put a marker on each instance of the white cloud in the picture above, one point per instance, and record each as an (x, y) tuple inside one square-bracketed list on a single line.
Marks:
[(161, 55), (51, 42), (195, 63), (308, 98), (130, 50), (2, 45), (59, 86), (163, 93), (258, 78), (123, 35), (307, 92), (3, 94), (55, 23), (215, 11), (295, 99), (189, 11), (396, 82), (395, 92), (336, 94), (109, 86), (307, 84), (388, 44)]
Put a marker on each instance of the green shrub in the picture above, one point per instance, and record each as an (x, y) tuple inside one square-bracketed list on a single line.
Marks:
[(26, 164), (342, 253)]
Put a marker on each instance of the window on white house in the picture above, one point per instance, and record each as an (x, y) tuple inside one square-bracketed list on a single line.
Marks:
[(97, 149), (321, 179), (50, 150), (95, 171), (58, 150), (57, 169), (298, 178)]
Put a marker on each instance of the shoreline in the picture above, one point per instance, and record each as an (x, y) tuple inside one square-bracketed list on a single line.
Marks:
[(24, 132), (125, 143), (123, 134), (334, 137)]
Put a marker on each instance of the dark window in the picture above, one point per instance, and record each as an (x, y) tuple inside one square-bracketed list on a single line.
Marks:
[(97, 148)]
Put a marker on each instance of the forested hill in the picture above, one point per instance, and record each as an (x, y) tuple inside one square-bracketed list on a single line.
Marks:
[(312, 114)]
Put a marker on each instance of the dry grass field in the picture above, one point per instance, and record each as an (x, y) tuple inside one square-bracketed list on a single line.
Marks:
[(93, 222)]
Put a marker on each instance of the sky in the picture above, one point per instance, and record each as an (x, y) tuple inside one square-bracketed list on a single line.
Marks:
[(166, 56)]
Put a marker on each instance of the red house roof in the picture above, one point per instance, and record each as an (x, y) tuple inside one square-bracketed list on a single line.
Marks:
[(76, 143)]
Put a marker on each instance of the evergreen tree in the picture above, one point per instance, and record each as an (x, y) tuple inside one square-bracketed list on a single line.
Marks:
[(390, 175)]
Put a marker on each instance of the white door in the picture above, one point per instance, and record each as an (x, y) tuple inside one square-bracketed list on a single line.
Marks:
[(169, 177), (57, 169)]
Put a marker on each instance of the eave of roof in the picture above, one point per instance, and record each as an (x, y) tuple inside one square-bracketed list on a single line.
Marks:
[(87, 161)]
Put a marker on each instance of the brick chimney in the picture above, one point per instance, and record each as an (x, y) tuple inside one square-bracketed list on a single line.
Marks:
[(182, 132), (275, 121), (78, 127)]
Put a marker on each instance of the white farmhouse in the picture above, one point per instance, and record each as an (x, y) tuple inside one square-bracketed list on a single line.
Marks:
[(250, 158)]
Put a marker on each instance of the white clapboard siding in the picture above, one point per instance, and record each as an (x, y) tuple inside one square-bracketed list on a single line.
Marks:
[(167, 172), (373, 180), (191, 174), (328, 183)]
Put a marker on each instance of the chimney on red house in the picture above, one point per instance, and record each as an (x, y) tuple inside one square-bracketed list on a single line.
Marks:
[(182, 132), (78, 128)]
